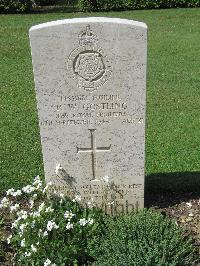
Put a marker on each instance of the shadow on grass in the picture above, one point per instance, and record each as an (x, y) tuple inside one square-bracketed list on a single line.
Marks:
[(167, 189)]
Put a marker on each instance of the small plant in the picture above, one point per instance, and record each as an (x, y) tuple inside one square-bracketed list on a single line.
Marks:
[(47, 229), (142, 238)]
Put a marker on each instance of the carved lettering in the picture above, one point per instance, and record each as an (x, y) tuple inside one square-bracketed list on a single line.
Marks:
[(73, 122), (72, 106), (104, 106), (46, 123)]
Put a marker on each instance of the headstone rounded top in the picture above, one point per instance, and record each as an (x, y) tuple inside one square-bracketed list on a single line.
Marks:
[(90, 82), (91, 20)]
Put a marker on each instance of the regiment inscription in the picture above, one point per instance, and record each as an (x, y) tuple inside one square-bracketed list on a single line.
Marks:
[(90, 82)]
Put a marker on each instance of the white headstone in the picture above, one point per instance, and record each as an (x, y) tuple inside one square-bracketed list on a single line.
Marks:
[(90, 79)]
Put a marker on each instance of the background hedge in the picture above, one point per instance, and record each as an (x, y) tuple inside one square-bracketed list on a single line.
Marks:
[(46, 2), (107, 5), (22, 6), (9, 6), (16, 6)]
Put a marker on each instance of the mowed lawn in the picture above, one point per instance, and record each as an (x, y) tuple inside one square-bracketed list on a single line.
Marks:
[(173, 97)]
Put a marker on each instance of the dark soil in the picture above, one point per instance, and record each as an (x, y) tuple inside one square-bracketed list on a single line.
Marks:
[(183, 207)]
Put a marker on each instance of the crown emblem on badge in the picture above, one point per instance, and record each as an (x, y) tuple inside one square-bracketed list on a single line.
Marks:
[(88, 64), (87, 37)]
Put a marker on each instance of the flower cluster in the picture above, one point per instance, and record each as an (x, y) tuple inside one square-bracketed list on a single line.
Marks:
[(84, 221), (69, 215), (77, 198), (51, 225), (49, 263), (4, 203), (41, 220)]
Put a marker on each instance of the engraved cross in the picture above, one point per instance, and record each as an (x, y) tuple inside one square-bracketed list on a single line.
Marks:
[(93, 150)]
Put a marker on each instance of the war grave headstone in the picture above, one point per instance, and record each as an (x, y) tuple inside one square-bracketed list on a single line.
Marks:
[(90, 81)]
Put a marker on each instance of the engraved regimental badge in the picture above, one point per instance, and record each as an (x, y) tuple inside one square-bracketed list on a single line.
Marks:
[(87, 63)]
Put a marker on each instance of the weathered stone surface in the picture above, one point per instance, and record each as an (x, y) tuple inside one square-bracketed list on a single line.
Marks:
[(90, 79)]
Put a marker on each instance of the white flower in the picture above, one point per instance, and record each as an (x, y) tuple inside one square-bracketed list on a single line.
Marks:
[(39, 186), (41, 207), (49, 209), (36, 214), (10, 191), (69, 226), (31, 202), (4, 203), (83, 222), (15, 223), (22, 227), (39, 232), (28, 189), (90, 204), (33, 224), (45, 233), (34, 196), (4, 200), (191, 214), (51, 225), (47, 187), (68, 215), (14, 208), (34, 249), (27, 254), (77, 198), (90, 221), (58, 169), (23, 243), (37, 182), (36, 179), (62, 195), (8, 239), (17, 193), (189, 205), (22, 214), (47, 262)]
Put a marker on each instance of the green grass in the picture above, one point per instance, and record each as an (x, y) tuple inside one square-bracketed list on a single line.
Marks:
[(173, 103)]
